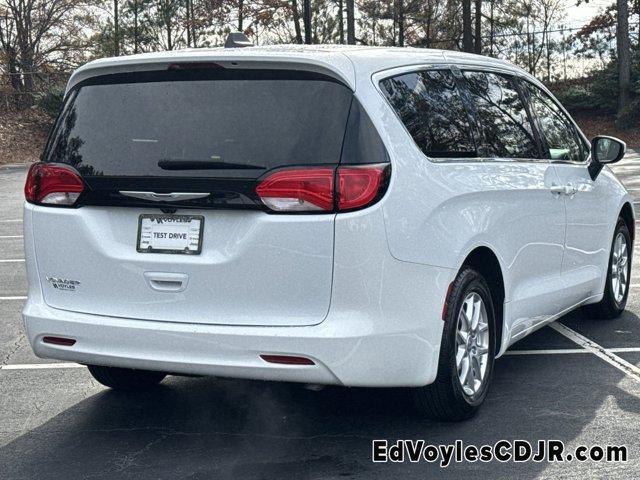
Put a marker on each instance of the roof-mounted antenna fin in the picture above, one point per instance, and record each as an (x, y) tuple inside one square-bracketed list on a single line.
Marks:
[(237, 40)]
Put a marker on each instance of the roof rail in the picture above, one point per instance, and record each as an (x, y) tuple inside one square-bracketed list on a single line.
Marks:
[(237, 40)]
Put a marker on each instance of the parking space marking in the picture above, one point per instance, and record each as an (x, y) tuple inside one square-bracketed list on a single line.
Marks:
[(39, 366), (13, 298), (569, 351), (12, 260), (12, 220), (557, 351), (608, 356), (4, 237)]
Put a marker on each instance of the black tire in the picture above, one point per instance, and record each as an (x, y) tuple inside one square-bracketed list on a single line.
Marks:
[(608, 307), (126, 378), (445, 399)]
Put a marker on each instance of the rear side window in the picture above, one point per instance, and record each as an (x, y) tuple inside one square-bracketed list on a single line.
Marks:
[(204, 123), (504, 126), (429, 105), (561, 137)]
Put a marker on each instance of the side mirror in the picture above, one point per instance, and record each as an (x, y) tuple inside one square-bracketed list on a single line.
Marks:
[(605, 150)]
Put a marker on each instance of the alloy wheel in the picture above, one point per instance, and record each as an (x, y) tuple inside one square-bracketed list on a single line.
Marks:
[(472, 344), (620, 268)]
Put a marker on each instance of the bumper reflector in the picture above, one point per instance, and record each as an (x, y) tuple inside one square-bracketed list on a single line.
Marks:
[(287, 360), (65, 342)]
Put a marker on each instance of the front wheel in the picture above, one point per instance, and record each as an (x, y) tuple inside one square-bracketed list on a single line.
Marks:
[(126, 378), (467, 352), (616, 288)]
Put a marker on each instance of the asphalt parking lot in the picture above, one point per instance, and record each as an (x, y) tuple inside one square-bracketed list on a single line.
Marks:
[(578, 382)]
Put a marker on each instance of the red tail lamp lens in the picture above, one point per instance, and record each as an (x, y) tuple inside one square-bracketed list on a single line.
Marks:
[(314, 189), (358, 186), (298, 190), (52, 184)]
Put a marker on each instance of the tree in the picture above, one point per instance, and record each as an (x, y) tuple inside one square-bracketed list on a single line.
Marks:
[(167, 22), (296, 20), (33, 32), (399, 17), (351, 29), (478, 30), (624, 55), (133, 8), (341, 21), (467, 40), (306, 15), (116, 29)]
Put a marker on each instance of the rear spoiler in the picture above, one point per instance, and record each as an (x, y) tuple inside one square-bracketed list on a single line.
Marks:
[(334, 65)]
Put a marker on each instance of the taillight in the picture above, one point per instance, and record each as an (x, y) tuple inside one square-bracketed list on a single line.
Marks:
[(358, 186), (323, 189), (51, 184), (299, 190)]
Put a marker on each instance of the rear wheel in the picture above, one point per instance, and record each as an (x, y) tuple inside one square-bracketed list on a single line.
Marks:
[(467, 352), (616, 287), (126, 378)]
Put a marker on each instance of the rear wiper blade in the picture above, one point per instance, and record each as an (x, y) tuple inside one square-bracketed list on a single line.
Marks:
[(205, 165)]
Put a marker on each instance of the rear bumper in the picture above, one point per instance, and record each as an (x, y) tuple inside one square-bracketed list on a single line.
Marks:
[(348, 357)]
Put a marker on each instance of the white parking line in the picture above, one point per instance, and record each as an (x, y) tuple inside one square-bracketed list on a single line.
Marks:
[(624, 349), (13, 220), (608, 356), (12, 260), (568, 351), (4, 237), (40, 366), (557, 351), (13, 298)]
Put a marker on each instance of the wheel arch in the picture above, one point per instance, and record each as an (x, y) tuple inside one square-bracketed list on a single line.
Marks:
[(485, 261), (626, 213)]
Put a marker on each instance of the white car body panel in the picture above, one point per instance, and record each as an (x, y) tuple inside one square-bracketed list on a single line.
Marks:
[(374, 314), (285, 252)]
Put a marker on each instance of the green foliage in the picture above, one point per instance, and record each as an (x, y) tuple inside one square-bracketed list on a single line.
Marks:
[(577, 98), (604, 85), (629, 117), (51, 102), (599, 93)]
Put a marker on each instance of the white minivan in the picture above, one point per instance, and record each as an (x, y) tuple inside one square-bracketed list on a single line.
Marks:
[(354, 216)]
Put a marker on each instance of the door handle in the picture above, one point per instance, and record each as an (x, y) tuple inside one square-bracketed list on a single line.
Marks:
[(563, 189)]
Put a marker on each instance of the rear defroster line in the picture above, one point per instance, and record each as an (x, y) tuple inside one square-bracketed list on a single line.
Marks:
[(607, 355)]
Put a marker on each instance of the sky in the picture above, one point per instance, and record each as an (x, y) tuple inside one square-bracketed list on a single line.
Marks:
[(579, 15)]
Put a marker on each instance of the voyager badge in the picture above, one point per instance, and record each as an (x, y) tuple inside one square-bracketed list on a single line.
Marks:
[(63, 283)]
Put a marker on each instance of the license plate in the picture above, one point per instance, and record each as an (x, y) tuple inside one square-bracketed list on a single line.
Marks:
[(170, 234)]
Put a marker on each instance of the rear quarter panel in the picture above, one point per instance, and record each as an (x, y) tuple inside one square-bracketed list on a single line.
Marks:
[(437, 212)]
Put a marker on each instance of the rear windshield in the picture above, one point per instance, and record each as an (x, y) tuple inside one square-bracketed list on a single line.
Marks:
[(217, 123)]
